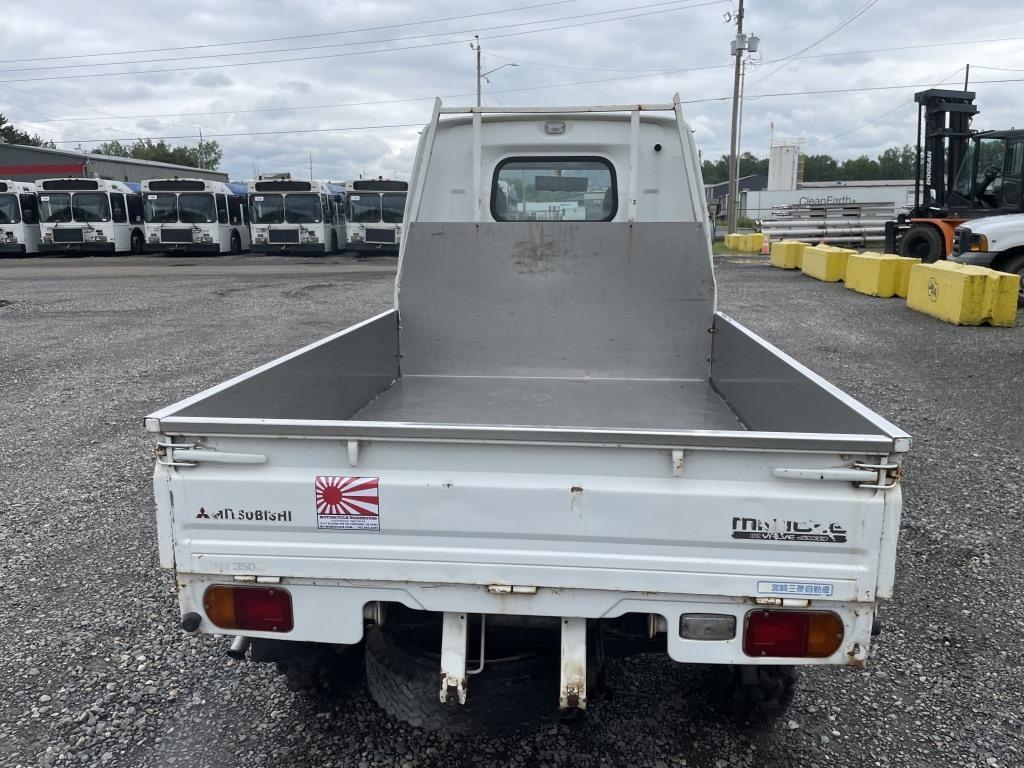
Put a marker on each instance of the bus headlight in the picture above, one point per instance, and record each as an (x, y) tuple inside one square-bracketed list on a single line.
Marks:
[(206, 238), (356, 236), (48, 237), (311, 237), (100, 236), (10, 237), (260, 237), (154, 237)]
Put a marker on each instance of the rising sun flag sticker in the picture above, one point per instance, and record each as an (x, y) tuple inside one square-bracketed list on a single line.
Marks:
[(347, 503)]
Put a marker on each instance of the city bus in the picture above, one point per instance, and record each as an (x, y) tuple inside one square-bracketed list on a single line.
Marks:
[(293, 216), (194, 216), (89, 216), (19, 218), (376, 208)]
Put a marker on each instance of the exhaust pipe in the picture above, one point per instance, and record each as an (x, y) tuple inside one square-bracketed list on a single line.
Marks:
[(239, 647)]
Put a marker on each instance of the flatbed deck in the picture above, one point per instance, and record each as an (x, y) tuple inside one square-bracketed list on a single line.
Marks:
[(550, 402)]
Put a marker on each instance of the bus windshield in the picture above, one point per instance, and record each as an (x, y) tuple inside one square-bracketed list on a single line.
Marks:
[(394, 207), (196, 208), (55, 207), (160, 208), (90, 206), (9, 211), (266, 209), (303, 209), (364, 208)]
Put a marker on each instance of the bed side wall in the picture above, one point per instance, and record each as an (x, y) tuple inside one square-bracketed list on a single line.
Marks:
[(329, 380), (770, 392)]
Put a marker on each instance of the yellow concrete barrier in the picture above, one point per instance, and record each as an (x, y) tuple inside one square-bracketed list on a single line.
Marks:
[(878, 274), (753, 242), (787, 254), (825, 262), (963, 294), (745, 243)]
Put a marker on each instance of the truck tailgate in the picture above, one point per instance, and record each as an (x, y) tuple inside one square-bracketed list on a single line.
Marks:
[(631, 518)]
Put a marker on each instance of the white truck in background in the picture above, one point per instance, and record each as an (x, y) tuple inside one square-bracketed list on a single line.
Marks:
[(553, 450), (996, 242), (19, 218)]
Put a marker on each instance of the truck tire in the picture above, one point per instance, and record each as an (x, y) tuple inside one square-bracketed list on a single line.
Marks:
[(509, 695), (924, 242), (756, 694)]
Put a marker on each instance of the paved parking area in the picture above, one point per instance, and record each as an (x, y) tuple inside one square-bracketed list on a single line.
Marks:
[(96, 672)]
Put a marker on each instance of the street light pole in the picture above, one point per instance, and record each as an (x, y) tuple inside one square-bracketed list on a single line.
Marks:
[(738, 50)]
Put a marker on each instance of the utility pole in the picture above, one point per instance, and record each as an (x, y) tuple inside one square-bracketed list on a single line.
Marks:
[(310, 166), (479, 77), (738, 47)]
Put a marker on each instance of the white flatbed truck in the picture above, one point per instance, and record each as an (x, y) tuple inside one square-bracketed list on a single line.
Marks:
[(552, 450)]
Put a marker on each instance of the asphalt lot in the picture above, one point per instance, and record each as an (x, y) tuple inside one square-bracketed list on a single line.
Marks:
[(96, 672)]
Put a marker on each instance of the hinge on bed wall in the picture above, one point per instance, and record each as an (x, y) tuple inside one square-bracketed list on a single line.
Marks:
[(889, 475)]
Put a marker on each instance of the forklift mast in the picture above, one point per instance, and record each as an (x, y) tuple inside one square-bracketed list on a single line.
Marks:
[(945, 117)]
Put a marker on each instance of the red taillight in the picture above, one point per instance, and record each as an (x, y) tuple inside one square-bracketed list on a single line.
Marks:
[(801, 634), (263, 609)]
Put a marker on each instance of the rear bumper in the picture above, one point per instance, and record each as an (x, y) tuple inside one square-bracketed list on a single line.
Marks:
[(203, 248), (311, 248), (12, 248), (334, 611), (106, 248)]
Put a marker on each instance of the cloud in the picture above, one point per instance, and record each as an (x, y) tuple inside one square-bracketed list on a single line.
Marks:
[(596, 63)]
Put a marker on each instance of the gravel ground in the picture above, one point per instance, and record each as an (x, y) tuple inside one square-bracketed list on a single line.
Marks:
[(97, 673)]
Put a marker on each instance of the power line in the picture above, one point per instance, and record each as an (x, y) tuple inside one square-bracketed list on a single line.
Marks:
[(876, 118), (836, 29), (291, 37), (639, 74), (519, 90), (368, 42)]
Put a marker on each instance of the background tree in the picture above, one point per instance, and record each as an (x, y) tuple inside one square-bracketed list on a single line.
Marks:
[(12, 135), (206, 154), (893, 163)]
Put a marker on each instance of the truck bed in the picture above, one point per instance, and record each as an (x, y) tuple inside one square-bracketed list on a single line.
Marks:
[(351, 385), (593, 403)]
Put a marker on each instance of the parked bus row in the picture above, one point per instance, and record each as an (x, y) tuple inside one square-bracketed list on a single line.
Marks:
[(197, 216)]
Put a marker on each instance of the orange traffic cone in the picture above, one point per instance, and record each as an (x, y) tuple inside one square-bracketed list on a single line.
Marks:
[(766, 246)]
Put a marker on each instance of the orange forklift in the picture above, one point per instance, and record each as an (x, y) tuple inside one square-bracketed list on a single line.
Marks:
[(960, 174)]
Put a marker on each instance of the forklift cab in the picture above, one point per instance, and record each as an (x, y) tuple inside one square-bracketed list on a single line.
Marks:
[(990, 176)]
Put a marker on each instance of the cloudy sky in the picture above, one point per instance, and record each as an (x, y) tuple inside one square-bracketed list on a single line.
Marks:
[(272, 80)]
